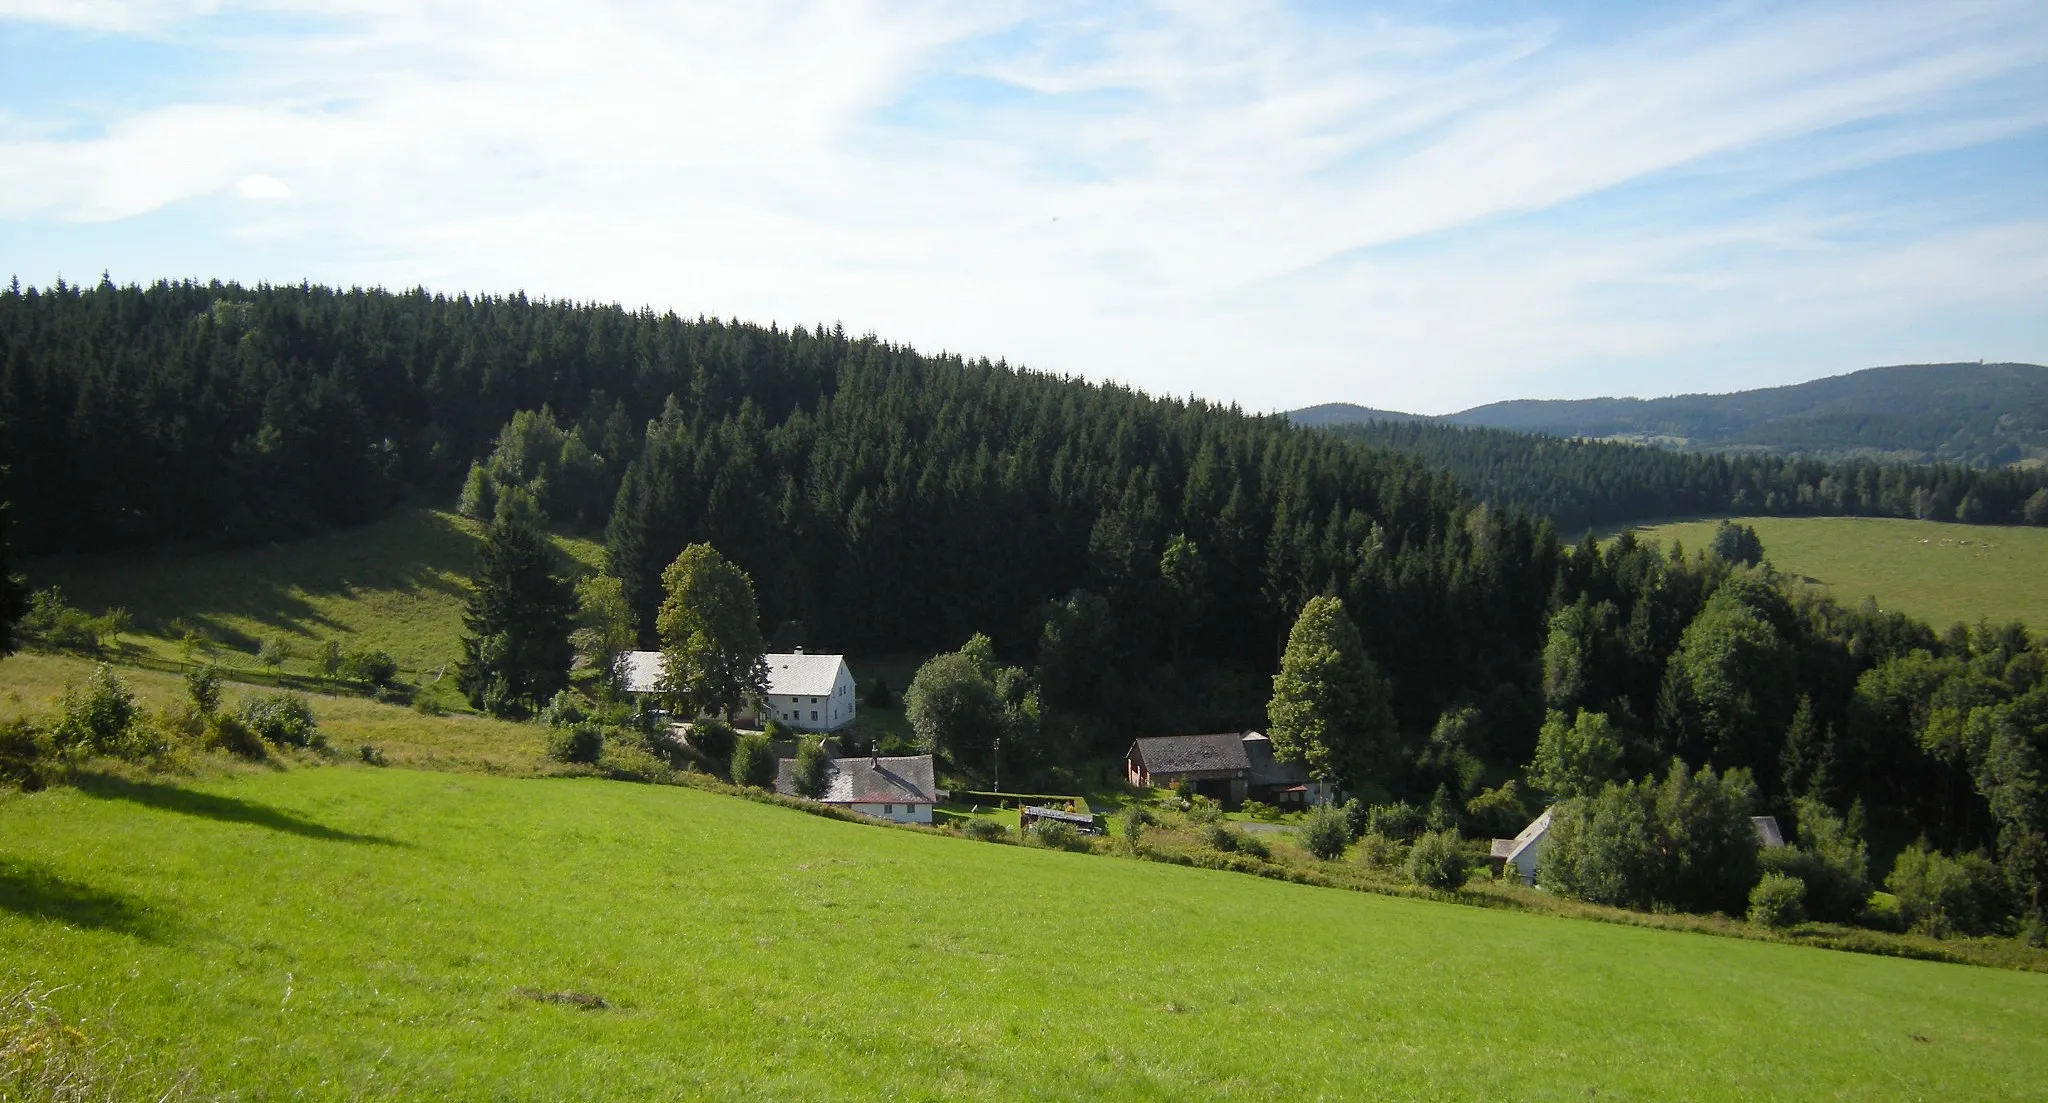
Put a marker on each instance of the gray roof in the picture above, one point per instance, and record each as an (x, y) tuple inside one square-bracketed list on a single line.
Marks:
[(863, 780), (1767, 833), (1180, 754), (808, 675), (640, 671), (1268, 770)]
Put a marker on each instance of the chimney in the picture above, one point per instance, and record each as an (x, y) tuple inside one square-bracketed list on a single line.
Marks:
[(799, 649), (874, 754)]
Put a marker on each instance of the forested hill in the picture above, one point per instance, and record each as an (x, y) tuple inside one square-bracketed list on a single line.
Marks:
[(1344, 413), (1978, 415)]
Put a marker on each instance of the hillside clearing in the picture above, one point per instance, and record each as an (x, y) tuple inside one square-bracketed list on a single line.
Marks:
[(1940, 573), (368, 934)]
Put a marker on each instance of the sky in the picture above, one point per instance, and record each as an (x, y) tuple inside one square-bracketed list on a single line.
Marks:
[(1423, 206)]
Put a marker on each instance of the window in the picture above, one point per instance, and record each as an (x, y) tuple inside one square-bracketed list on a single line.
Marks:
[(814, 716), (888, 810)]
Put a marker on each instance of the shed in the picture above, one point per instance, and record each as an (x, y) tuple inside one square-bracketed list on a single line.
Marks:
[(1083, 822)]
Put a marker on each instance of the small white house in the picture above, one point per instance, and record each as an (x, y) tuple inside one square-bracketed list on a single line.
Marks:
[(1525, 850), (902, 790), (807, 692)]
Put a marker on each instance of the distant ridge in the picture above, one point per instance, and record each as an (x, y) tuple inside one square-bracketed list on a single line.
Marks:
[(1972, 413)]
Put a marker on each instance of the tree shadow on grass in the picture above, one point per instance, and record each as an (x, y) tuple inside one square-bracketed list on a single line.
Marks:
[(189, 802), (35, 892)]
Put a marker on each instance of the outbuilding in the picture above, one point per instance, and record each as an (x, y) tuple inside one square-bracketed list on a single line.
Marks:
[(900, 789)]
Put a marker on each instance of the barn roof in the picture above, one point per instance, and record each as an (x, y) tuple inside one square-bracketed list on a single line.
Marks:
[(1180, 754), (863, 780)]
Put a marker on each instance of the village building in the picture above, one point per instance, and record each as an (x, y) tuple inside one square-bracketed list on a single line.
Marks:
[(807, 692), (1227, 767), (902, 790), (1084, 822), (1522, 856)]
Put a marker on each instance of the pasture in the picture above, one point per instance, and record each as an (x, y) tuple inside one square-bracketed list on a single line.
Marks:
[(352, 933), (1940, 573)]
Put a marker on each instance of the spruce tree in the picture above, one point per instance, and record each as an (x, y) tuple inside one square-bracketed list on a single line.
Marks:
[(515, 651), (13, 593)]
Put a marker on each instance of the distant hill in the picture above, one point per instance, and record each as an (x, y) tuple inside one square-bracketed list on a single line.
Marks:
[(1344, 413), (1975, 414)]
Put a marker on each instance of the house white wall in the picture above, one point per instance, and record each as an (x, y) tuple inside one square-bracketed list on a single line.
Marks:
[(820, 713), (900, 813)]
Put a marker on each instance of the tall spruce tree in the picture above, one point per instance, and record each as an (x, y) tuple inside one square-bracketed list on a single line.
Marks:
[(13, 593), (516, 651), (1330, 703), (710, 632)]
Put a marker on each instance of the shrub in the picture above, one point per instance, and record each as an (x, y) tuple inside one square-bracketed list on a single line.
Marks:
[(813, 770), (579, 742), (1136, 820), (273, 651), (1354, 818), (1941, 895), (1248, 843), (1202, 810), (984, 830), (1437, 861), (563, 710), (372, 755), (626, 762), (1402, 821), (53, 625), (1260, 810), (99, 718), (24, 754), (370, 666), (1055, 834), (227, 732), (753, 762), (1219, 837), (1326, 833), (427, 704), (202, 688), (714, 739), (1777, 901), (285, 719), (1377, 851)]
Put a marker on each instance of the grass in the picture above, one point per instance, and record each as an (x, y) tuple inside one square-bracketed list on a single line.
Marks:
[(397, 585), (1937, 572), (357, 933)]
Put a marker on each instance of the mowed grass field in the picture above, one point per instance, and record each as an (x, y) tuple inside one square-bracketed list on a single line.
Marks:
[(397, 585), (353, 933), (1937, 572)]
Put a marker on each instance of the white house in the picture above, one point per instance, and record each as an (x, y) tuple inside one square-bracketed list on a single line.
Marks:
[(902, 790), (1525, 851), (807, 692)]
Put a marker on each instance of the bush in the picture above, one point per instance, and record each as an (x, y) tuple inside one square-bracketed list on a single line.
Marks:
[(372, 755), (227, 732), (1202, 810), (53, 625), (273, 651), (1437, 861), (1260, 810), (1354, 818), (1248, 843), (714, 739), (1055, 834), (1219, 837), (563, 710), (1402, 821), (1326, 833), (812, 771), (579, 742), (985, 830), (1377, 851), (753, 762), (202, 688), (1685, 842), (24, 755), (1777, 901), (99, 718), (285, 719), (1941, 895), (1136, 820), (1830, 859), (626, 762), (369, 666)]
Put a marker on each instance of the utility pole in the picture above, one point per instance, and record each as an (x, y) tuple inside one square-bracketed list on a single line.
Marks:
[(998, 751)]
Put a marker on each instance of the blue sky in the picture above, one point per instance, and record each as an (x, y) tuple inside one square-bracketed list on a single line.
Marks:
[(1423, 206)]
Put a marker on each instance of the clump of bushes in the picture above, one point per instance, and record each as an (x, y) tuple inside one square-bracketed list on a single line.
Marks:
[(369, 666), (1055, 835), (714, 739), (1400, 821), (1326, 832), (1229, 840), (372, 755), (1202, 811), (1777, 900), (753, 762), (1377, 851), (1437, 861), (283, 719), (1940, 895), (987, 831), (1830, 860), (625, 762), (580, 742), (1260, 810)]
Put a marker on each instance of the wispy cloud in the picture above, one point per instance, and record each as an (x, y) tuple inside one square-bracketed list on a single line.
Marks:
[(1258, 203)]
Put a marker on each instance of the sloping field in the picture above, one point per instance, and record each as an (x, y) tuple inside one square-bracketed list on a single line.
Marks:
[(347, 933), (1937, 572), (397, 585)]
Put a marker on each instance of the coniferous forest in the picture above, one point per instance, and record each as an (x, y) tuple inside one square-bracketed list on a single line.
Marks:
[(1141, 560)]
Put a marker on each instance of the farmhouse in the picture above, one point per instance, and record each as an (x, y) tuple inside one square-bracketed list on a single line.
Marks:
[(807, 692), (1524, 853), (899, 789), (1228, 767)]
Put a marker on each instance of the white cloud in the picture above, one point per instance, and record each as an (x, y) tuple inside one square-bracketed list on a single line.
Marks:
[(1247, 202)]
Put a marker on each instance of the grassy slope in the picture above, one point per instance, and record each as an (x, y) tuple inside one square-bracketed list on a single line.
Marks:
[(30, 684), (360, 933), (396, 585), (1939, 573)]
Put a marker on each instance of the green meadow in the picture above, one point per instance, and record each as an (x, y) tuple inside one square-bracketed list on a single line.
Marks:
[(353, 933), (1940, 573), (397, 586)]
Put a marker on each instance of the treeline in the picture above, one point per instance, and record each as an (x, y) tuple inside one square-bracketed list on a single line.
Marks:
[(1580, 484)]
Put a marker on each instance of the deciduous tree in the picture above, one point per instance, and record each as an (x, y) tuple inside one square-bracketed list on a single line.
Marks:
[(710, 631), (1330, 704)]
